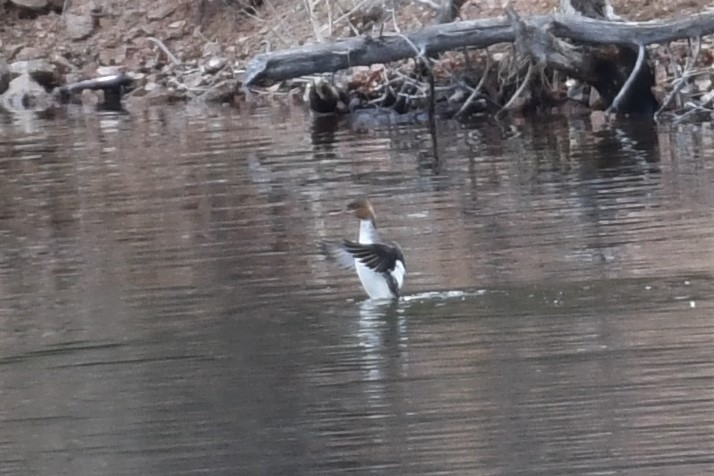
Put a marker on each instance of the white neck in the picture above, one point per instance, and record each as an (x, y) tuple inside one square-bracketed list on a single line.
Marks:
[(367, 232)]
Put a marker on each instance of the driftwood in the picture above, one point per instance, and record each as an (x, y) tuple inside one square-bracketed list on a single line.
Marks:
[(619, 74), (113, 86), (273, 67)]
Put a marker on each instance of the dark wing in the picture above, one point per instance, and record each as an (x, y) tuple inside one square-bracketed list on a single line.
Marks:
[(335, 251), (378, 257)]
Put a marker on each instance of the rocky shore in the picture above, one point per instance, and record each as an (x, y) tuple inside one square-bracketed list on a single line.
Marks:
[(112, 53), (53, 52)]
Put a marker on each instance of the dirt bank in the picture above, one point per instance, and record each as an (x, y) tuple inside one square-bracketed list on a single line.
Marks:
[(185, 49)]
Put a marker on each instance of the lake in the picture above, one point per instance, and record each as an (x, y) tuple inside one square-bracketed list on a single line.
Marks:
[(164, 308)]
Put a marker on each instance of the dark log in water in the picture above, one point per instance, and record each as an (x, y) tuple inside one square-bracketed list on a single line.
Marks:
[(113, 86)]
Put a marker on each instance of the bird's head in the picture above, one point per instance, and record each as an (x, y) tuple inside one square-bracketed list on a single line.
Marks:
[(361, 208)]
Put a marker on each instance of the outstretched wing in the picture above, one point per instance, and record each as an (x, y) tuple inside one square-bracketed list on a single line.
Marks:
[(388, 260), (378, 257), (336, 252)]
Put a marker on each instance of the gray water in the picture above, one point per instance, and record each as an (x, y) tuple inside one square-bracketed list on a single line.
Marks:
[(164, 309)]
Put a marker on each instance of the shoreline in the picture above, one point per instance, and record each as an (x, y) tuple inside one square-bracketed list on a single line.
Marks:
[(165, 57)]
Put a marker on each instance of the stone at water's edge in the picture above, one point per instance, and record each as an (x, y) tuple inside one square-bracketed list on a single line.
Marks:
[(24, 94), (31, 4), (220, 93), (79, 27), (215, 64), (40, 70)]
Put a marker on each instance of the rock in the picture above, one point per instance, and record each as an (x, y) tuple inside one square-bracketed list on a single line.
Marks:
[(139, 31), (161, 12), (31, 4), (108, 70), (150, 64), (176, 95), (79, 27), (703, 84), (706, 98), (63, 65), (91, 99), (175, 85), (4, 75), (75, 77), (112, 56), (151, 86), (40, 70), (211, 49), (24, 94), (157, 97), (595, 101), (13, 50), (174, 33), (661, 73), (221, 92), (193, 79), (215, 64), (139, 80), (27, 53), (578, 91)]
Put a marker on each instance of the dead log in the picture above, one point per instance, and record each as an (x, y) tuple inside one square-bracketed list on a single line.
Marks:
[(619, 74), (113, 86), (277, 66)]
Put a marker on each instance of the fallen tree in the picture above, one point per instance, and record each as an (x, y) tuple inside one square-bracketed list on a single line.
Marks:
[(569, 43)]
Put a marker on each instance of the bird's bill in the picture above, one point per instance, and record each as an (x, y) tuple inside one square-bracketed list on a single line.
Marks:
[(339, 212)]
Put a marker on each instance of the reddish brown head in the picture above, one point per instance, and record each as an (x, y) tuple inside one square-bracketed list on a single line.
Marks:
[(361, 208)]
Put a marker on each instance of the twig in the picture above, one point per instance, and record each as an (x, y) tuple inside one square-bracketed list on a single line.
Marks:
[(432, 113), (347, 17), (254, 17), (281, 24), (699, 72), (419, 52), (313, 20), (681, 81), (694, 108), (163, 47), (625, 90), (198, 32), (477, 89), (429, 4), (329, 18), (65, 6), (394, 18), (432, 99), (518, 92), (277, 31)]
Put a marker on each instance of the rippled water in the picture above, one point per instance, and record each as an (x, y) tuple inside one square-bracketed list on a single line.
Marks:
[(164, 310)]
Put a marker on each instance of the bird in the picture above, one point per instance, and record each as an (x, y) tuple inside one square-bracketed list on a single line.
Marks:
[(380, 265)]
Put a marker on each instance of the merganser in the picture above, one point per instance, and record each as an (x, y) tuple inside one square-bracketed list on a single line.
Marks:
[(379, 265)]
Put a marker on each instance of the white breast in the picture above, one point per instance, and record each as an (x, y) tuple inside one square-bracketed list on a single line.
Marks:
[(374, 283)]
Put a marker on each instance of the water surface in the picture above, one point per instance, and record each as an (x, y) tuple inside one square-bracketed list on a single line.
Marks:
[(164, 310)]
